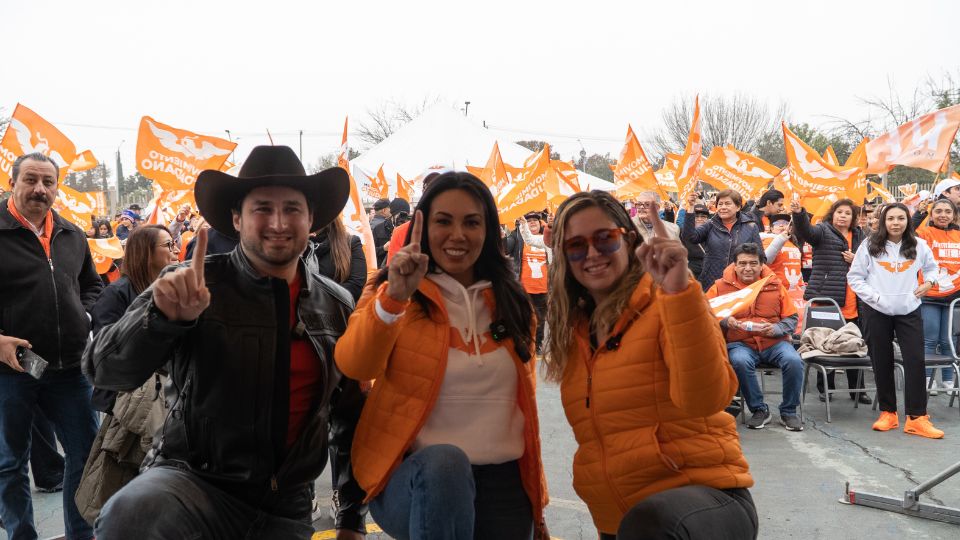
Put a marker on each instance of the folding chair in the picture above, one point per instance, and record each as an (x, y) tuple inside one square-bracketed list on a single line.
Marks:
[(830, 316)]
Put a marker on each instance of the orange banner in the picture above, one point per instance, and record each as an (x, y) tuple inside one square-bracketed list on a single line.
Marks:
[(174, 157), (353, 215), (727, 305), (923, 142), (633, 174), (810, 177), (830, 156), (497, 175), (104, 251), (79, 207), (404, 188), (729, 168), (27, 133), (163, 207), (692, 158), (378, 188), (908, 190), (528, 193), (878, 189)]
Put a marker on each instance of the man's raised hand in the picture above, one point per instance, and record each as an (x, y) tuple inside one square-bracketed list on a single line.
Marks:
[(182, 295), (664, 258), (409, 265)]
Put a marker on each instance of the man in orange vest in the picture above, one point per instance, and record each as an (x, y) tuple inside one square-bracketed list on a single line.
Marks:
[(760, 334)]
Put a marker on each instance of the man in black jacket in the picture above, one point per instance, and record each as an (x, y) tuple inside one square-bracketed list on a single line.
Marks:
[(48, 284), (254, 394)]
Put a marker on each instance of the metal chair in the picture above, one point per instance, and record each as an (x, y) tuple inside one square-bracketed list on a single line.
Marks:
[(830, 316)]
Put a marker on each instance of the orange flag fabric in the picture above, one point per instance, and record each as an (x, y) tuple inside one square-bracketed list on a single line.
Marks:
[(692, 157), (884, 194), (729, 168), (378, 188), (163, 207), (528, 193), (83, 162), (27, 133), (404, 188), (569, 177), (908, 190), (830, 156), (104, 251), (727, 305), (78, 207), (174, 157), (353, 215), (923, 142), (633, 175), (497, 175), (810, 176)]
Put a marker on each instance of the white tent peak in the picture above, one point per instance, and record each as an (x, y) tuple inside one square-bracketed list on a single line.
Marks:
[(442, 136)]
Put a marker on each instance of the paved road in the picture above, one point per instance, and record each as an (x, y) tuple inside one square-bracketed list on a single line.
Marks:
[(800, 476)]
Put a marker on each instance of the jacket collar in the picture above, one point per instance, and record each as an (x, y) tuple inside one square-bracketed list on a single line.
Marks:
[(7, 221), (730, 277), (242, 263), (742, 217)]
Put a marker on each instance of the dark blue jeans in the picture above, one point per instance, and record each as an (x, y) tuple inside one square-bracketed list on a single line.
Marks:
[(782, 355), (64, 397), (435, 494)]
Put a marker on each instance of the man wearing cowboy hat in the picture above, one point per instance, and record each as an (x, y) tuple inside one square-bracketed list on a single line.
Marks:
[(247, 338)]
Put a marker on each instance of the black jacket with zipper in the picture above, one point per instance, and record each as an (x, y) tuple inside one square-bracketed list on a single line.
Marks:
[(229, 396), (828, 277), (46, 301)]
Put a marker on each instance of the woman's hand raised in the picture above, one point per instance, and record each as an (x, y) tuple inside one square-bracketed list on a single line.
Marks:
[(409, 265)]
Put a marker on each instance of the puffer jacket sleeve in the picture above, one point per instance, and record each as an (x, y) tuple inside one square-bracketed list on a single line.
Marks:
[(702, 382), (813, 234), (364, 348)]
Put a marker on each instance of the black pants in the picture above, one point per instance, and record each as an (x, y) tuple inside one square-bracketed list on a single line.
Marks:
[(167, 502), (540, 306), (46, 463), (691, 513), (908, 329)]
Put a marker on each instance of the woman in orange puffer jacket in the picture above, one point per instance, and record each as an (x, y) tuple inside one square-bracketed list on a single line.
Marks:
[(448, 443), (644, 379)]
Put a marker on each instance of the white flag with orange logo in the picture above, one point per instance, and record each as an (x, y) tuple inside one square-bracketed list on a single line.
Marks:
[(728, 305), (692, 157), (353, 215), (174, 157), (729, 168), (104, 251), (27, 133), (633, 174), (923, 142)]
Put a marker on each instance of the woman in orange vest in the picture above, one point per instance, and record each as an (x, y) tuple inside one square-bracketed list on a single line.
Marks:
[(656, 451), (448, 442), (780, 248), (943, 237)]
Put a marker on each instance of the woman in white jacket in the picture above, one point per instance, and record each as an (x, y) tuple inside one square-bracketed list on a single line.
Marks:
[(884, 275)]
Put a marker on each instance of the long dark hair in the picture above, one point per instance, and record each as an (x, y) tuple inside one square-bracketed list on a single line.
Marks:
[(137, 255), (340, 252), (513, 307), (878, 240)]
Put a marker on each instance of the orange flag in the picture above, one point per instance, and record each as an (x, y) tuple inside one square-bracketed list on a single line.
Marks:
[(633, 174), (104, 251), (729, 168), (163, 207), (884, 194), (27, 133), (404, 188), (497, 175), (353, 215), (83, 162), (528, 193), (569, 177), (378, 188), (692, 157), (811, 176), (908, 190), (857, 189), (923, 142), (727, 305), (174, 157), (830, 156), (78, 207)]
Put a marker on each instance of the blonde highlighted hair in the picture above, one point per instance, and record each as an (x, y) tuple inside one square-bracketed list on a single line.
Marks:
[(570, 304)]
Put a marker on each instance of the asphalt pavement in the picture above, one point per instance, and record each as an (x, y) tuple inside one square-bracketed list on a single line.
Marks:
[(800, 476)]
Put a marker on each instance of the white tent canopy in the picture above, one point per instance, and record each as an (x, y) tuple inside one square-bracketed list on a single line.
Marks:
[(442, 137)]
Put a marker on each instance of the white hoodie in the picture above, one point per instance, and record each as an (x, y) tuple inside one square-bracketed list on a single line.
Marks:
[(477, 408), (886, 283)]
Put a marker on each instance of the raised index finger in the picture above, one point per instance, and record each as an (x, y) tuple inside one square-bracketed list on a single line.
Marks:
[(199, 253), (416, 229), (659, 229)]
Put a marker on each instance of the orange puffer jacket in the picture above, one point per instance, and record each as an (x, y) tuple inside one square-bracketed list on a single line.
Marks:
[(648, 414), (408, 359), (768, 307)]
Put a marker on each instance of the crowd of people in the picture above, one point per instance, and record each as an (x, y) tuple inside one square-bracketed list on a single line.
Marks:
[(201, 388)]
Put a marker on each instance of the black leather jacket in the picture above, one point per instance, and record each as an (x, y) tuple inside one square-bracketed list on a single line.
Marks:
[(228, 397)]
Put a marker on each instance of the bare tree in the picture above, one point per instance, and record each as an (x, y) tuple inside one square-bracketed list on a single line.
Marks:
[(739, 120), (386, 118)]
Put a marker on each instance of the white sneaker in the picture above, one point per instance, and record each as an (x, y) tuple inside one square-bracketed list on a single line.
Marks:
[(932, 386)]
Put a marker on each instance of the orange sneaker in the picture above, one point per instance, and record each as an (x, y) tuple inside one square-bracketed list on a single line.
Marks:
[(886, 422), (921, 426)]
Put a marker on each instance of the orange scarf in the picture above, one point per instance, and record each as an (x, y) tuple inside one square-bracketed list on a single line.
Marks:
[(47, 226)]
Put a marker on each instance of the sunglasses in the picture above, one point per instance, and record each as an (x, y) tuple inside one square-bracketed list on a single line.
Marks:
[(605, 241), (168, 244)]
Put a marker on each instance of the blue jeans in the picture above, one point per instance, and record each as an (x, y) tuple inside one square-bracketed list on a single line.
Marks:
[(936, 331), (782, 355), (64, 397), (435, 494)]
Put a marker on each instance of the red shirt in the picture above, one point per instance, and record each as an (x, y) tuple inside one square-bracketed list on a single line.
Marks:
[(305, 371)]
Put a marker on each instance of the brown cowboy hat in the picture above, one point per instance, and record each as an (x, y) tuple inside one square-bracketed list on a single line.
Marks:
[(218, 193)]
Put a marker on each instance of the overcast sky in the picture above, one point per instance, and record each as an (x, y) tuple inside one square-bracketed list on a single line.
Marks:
[(552, 70)]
